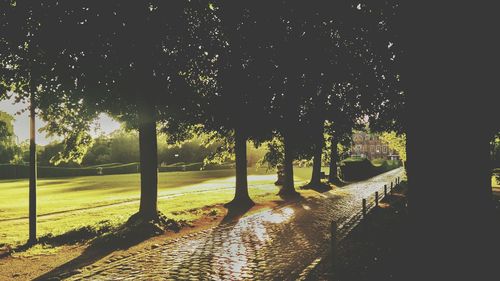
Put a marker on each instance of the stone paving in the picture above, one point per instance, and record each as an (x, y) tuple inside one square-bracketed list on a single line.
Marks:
[(272, 245)]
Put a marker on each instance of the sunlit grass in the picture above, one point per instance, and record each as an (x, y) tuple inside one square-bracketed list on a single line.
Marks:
[(82, 192), (182, 196)]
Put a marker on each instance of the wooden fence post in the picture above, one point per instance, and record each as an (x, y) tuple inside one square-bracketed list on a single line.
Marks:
[(334, 240), (385, 190), (376, 198), (364, 207)]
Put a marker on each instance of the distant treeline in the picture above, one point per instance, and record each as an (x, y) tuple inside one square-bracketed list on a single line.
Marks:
[(121, 147)]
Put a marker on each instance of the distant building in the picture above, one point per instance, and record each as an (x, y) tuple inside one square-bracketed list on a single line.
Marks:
[(370, 146)]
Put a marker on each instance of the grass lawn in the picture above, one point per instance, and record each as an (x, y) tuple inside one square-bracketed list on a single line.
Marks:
[(69, 203)]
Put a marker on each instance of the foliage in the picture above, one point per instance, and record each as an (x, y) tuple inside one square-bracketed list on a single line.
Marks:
[(34, 67), (495, 150), (343, 144), (396, 142), (8, 149), (274, 156), (100, 152)]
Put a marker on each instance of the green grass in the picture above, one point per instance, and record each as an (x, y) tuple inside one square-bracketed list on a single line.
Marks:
[(80, 196), (353, 159)]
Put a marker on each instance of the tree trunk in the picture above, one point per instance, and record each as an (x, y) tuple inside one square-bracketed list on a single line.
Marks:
[(334, 158), (288, 184), (241, 196), (149, 162), (33, 172), (318, 150), (449, 116)]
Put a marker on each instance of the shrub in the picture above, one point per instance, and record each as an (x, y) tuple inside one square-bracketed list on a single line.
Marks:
[(357, 168)]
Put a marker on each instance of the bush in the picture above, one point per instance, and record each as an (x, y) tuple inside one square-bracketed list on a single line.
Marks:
[(357, 168)]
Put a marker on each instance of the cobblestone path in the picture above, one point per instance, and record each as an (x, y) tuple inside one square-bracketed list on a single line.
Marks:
[(272, 245)]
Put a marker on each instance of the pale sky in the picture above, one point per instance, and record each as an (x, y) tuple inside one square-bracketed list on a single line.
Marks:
[(21, 123)]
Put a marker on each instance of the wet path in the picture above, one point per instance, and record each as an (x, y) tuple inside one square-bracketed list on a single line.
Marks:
[(271, 245)]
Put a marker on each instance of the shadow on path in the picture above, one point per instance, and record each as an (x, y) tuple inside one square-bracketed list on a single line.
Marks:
[(131, 233), (234, 213), (89, 256), (321, 187)]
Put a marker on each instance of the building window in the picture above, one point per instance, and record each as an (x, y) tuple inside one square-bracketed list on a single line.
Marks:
[(378, 148), (384, 149), (372, 148)]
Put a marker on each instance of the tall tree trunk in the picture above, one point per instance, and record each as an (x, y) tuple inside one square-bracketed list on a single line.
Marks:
[(450, 204), (318, 150), (288, 184), (33, 171), (334, 158), (241, 196), (149, 161)]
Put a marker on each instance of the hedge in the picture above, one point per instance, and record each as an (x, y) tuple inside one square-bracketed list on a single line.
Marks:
[(181, 166), (121, 169), (9, 171), (353, 169)]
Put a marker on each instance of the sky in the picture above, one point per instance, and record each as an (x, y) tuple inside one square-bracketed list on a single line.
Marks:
[(21, 123)]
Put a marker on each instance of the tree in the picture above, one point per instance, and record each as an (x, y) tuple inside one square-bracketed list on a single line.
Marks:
[(371, 86), (100, 152), (287, 83), (132, 83), (448, 86), (229, 72), (8, 149), (25, 70), (340, 135), (124, 147), (341, 74), (395, 142), (328, 79)]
